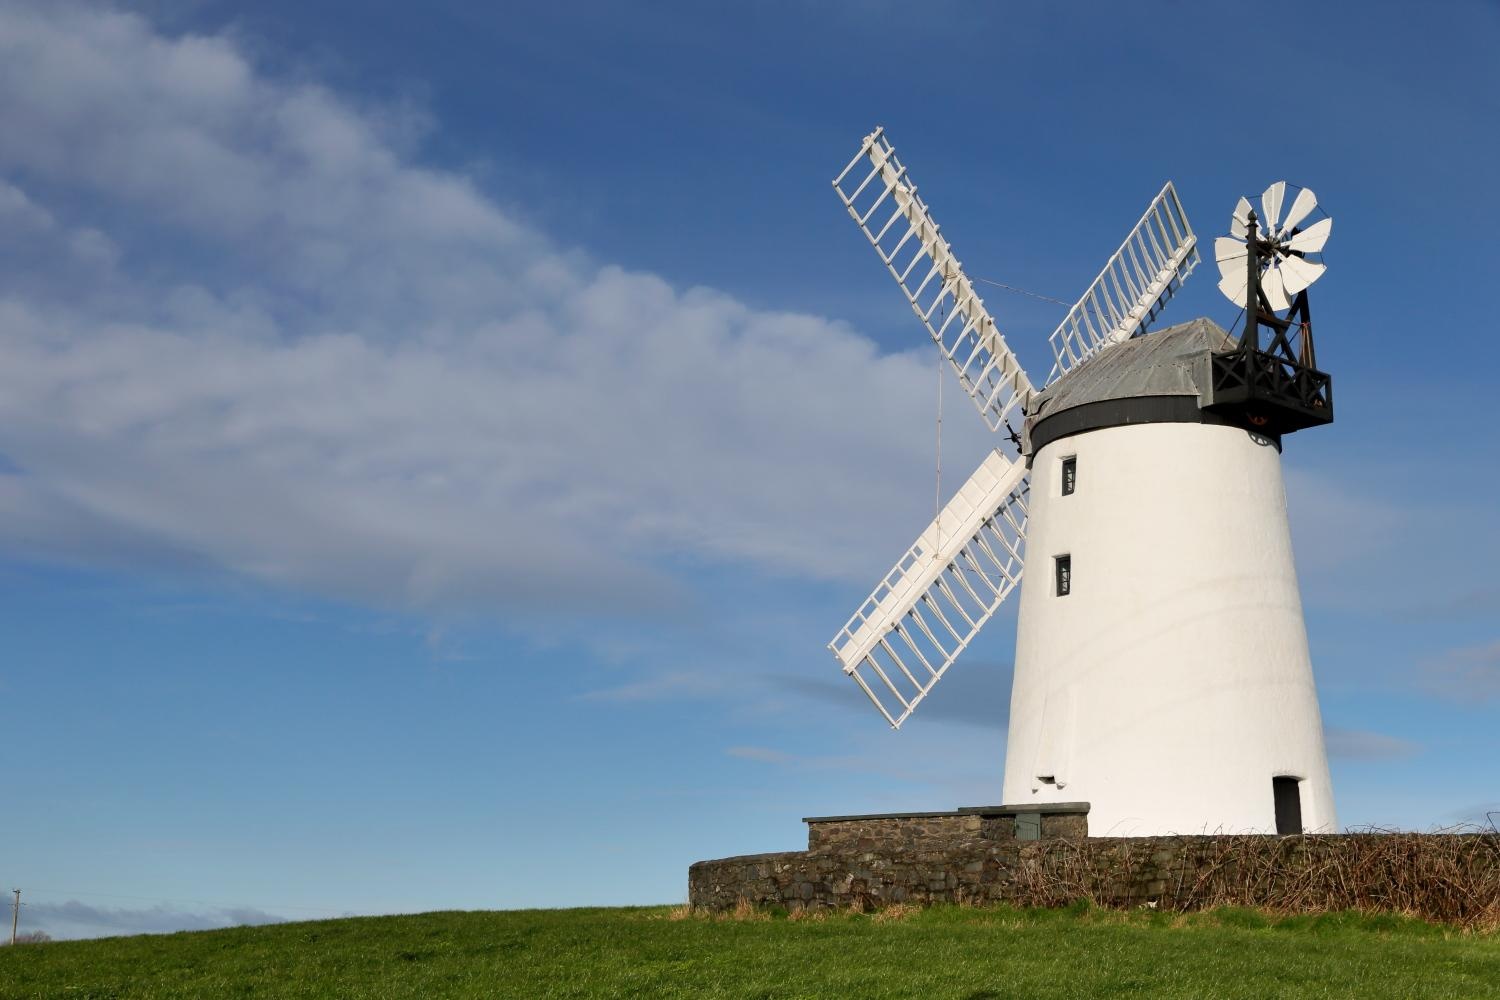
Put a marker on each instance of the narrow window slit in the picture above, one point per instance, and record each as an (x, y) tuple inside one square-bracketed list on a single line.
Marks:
[(1287, 792)]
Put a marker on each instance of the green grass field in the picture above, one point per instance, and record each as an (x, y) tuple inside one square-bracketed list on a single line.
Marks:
[(655, 952)]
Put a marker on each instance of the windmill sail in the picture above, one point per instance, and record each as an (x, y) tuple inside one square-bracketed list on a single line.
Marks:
[(931, 605), (1153, 262), (884, 203)]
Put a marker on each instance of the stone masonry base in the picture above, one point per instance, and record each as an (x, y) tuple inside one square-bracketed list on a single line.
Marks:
[(973, 857)]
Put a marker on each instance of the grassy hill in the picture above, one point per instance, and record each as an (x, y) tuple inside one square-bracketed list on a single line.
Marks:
[(661, 952)]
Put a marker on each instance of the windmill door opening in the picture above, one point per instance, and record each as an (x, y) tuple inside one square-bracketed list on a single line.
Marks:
[(1288, 792)]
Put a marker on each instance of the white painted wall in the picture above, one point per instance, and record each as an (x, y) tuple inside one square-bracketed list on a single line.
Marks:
[(1173, 682)]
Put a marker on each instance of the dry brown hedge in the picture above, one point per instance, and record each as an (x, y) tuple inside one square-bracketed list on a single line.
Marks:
[(1448, 876)]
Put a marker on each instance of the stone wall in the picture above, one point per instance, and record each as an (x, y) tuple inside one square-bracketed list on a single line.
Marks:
[(1441, 876), (937, 831)]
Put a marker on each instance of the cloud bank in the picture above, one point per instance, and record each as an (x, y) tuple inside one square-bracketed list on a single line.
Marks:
[(1359, 744), (1470, 675), (75, 919), (244, 330)]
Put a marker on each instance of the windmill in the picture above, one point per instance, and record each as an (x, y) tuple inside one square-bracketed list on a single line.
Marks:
[(1162, 671)]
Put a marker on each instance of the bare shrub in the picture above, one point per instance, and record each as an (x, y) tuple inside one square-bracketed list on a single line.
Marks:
[(1451, 877), (30, 937)]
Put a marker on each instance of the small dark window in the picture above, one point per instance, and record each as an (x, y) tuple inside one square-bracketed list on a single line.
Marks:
[(1288, 792), (1028, 826), (1069, 475), (1064, 575)]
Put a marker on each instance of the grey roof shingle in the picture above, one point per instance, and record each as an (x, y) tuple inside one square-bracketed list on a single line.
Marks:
[(1155, 364)]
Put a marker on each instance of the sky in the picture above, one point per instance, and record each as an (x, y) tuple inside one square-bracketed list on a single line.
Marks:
[(438, 441)]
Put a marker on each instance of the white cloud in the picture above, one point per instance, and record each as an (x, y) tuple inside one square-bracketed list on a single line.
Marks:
[(1483, 814), (666, 687), (763, 754), (72, 918), (286, 350), (1335, 524), (1369, 538), (1470, 674), (1359, 744), (880, 770), (18, 212), (974, 693)]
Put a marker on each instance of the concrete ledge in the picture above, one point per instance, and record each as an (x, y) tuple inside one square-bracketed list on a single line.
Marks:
[(1055, 808), (748, 859), (865, 816), (1050, 808)]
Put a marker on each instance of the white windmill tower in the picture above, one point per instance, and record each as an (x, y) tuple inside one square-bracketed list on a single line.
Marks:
[(1162, 671)]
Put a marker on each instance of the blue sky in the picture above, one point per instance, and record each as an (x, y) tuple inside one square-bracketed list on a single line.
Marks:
[(436, 444)]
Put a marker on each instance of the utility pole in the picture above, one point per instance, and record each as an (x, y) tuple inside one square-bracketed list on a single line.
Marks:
[(15, 915)]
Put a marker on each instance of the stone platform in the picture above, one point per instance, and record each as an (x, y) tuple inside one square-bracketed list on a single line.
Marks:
[(928, 830), (888, 857)]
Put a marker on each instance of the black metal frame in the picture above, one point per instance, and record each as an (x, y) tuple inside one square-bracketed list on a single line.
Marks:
[(1279, 389)]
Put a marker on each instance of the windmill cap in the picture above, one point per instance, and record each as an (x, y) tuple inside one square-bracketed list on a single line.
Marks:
[(1154, 378)]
